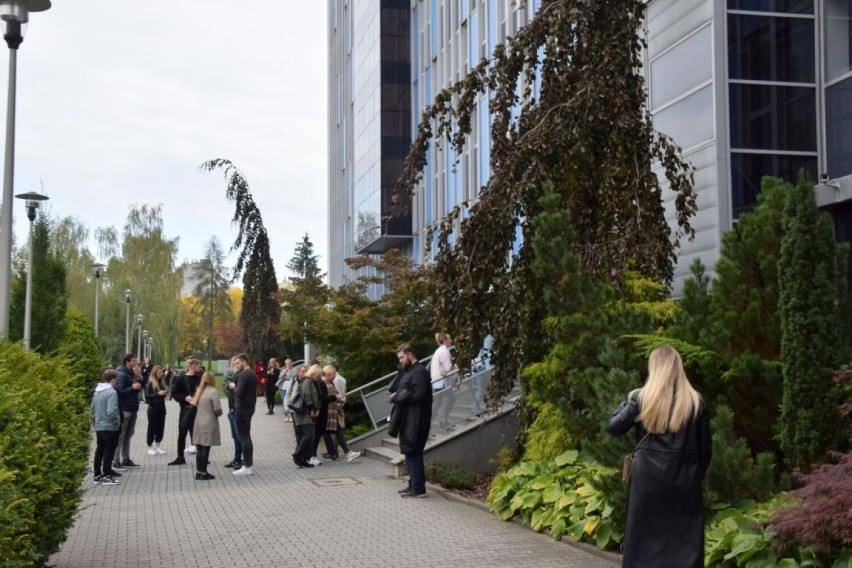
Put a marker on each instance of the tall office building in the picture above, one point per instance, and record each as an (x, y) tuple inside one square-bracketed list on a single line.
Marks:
[(746, 87)]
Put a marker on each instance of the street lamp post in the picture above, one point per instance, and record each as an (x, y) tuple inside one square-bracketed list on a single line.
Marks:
[(139, 318), (13, 13), (128, 295), (144, 343), (98, 268), (32, 199)]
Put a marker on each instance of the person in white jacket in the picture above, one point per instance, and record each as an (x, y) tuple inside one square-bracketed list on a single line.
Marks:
[(441, 372)]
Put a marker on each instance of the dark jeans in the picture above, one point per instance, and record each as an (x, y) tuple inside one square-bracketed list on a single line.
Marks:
[(156, 423), (341, 440), (327, 435), (128, 427), (107, 440), (202, 458), (242, 417), (182, 431), (304, 440), (238, 445), (416, 472)]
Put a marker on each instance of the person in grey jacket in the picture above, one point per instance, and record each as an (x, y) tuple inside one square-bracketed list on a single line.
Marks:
[(304, 421), (107, 426)]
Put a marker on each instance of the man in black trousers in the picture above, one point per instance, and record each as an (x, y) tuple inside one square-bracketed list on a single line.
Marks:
[(183, 389), (244, 386)]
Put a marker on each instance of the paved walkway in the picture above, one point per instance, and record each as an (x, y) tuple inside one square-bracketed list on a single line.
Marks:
[(338, 514)]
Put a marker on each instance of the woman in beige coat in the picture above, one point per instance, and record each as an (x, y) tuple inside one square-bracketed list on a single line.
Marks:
[(206, 432)]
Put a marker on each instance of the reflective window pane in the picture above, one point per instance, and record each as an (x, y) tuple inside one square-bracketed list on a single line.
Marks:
[(689, 121), (838, 114), (683, 67), (767, 117), (767, 48), (792, 6), (748, 169), (838, 30)]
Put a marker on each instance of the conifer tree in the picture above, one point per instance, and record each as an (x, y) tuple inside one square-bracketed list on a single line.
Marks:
[(809, 272)]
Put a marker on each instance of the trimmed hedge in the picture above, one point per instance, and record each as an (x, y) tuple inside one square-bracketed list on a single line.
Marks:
[(44, 441)]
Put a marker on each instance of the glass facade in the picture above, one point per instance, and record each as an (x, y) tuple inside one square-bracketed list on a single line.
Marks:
[(772, 94), (838, 110), (838, 38)]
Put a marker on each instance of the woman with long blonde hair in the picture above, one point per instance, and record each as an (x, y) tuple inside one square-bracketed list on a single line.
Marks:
[(665, 517), (155, 396), (206, 431)]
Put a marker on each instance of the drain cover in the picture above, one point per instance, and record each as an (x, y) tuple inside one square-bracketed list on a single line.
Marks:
[(334, 481)]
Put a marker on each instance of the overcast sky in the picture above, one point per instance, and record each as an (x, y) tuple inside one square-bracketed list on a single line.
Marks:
[(120, 101)]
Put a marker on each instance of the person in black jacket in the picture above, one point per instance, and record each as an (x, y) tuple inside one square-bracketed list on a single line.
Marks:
[(183, 389), (155, 397), (665, 516), (245, 400), (269, 387), (128, 402), (411, 417)]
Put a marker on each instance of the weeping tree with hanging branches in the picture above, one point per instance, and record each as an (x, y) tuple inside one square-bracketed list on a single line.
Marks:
[(585, 134), (261, 314)]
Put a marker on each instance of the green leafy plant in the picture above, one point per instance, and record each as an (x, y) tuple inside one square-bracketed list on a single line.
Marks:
[(561, 496), (44, 441), (451, 475)]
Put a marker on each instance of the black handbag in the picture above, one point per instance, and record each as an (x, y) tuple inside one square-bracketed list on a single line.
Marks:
[(627, 468), (297, 404)]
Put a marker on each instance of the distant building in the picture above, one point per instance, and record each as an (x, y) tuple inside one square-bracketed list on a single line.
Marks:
[(746, 87)]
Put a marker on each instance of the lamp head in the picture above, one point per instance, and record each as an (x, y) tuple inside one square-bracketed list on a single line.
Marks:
[(139, 318), (98, 268), (14, 15), (128, 295)]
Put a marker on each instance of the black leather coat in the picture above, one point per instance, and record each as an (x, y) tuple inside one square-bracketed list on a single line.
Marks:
[(665, 517)]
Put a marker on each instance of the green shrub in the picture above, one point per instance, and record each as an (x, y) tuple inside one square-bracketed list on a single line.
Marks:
[(81, 347), (561, 496), (44, 441), (451, 475), (546, 436)]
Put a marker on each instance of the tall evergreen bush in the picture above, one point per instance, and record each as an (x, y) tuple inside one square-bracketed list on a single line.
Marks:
[(809, 271), (44, 444)]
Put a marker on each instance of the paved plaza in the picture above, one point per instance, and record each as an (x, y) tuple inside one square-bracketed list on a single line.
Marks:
[(337, 514)]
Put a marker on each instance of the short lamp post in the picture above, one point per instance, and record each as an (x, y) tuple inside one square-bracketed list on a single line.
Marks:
[(13, 14), (139, 319), (128, 295), (99, 269), (32, 199)]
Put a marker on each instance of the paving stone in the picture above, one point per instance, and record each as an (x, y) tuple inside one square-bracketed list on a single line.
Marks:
[(161, 517)]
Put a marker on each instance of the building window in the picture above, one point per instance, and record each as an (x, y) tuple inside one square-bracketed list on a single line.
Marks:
[(838, 114), (748, 169), (772, 117), (789, 6), (771, 48), (838, 32)]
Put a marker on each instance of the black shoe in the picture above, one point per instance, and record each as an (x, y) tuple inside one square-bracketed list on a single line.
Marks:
[(297, 459), (129, 463), (178, 461), (326, 455), (204, 476), (412, 495), (236, 464), (112, 474), (268, 412), (404, 490)]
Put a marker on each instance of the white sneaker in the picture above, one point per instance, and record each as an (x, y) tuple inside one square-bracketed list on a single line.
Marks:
[(160, 451), (314, 461), (152, 452), (244, 471), (191, 450), (352, 455)]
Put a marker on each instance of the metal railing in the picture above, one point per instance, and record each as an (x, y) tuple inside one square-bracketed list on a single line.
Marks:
[(452, 405)]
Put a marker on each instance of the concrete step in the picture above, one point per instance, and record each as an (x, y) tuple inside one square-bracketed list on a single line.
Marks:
[(392, 443), (391, 456)]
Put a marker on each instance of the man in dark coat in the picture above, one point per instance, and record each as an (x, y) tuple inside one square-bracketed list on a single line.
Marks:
[(127, 388), (244, 386), (183, 389), (411, 418)]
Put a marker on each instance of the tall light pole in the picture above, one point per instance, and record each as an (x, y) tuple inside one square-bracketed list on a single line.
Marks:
[(13, 13), (144, 343), (139, 319), (128, 295), (32, 198), (98, 268)]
